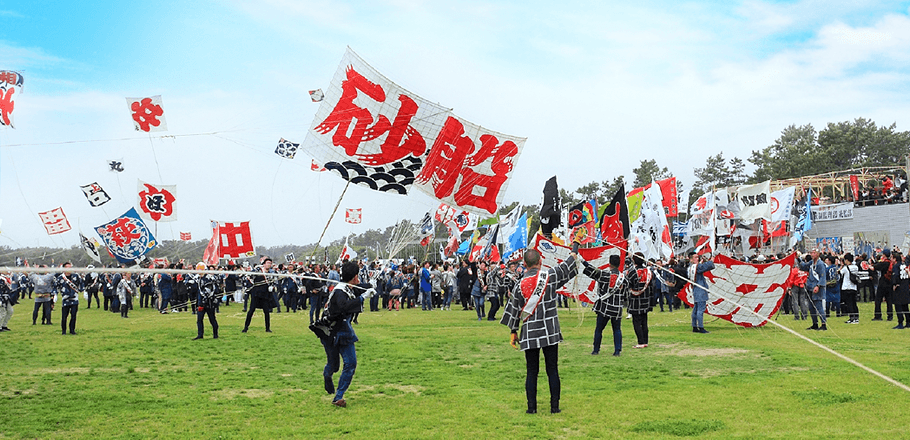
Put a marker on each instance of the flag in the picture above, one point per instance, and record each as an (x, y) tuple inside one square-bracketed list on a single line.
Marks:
[(90, 248), (234, 240), (452, 245), (651, 232), (442, 252), (147, 113), (95, 195), (782, 204), (549, 208), (353, 215), (426, 227), (186, 236), (517, 239), (55, 221), (286, 148), (157, 202), (347, 253), (127, 237), (615, 226), (464, 247), (746, 288), (703, 222), (585, 233), (633, 202), (456, 221), (803, 218), (10, 84), (485, 248), (552, 253), (210, 256), (754, 201)]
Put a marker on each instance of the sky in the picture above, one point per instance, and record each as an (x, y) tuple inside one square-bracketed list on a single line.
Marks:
[(595, 87)]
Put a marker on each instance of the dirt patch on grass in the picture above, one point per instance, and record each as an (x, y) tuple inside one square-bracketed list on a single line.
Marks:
[(685, 350), (16, 393), (251, 393)]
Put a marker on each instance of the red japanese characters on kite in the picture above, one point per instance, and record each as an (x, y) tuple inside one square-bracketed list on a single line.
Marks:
[(751, 292), (127, 237), (186, 236), (229, 240), (95, 194), (286, 148), (10, 85), (314, 166), (147, 113), (55, 221), (157, 202), (374, 133), (353, 215)]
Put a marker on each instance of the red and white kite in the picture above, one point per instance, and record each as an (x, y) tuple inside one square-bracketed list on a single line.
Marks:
[(10, 84), (186, 236), (353, 215), (230, 240), (747, 287), (157, 202), (457, 221), (55, 221), (551, 254), (375, 133), (147, 113)]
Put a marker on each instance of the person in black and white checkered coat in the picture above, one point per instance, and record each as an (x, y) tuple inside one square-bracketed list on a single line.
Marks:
[(611, 290), (534, 302)]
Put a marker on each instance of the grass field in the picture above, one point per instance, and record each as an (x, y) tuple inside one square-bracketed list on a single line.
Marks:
[(443, 374)]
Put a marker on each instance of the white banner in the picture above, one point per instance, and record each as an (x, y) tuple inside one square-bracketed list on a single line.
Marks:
[(754, 201), (840, 211), (782, 204)]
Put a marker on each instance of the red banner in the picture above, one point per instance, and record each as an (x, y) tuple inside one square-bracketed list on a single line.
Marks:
[(854, 186)]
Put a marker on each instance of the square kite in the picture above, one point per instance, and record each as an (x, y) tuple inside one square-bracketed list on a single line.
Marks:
[(158, 202), (147, 113), (54, 221), (286, 149), (95, 194), (127, 237), (353, 215), (316, 95)]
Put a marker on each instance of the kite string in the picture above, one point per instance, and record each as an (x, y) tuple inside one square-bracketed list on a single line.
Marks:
[(318, 242)]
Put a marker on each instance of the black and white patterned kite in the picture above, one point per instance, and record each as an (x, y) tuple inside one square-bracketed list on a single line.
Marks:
[(95, 194), (286, 149)]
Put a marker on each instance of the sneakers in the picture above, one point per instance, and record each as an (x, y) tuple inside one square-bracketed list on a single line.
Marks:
[(823, 327), (814, 327), (340, 403), (898, 327), (852, 321), (702, 330), (641, 346)]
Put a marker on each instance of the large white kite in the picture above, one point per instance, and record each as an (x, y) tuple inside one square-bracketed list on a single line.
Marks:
[(737, 289)]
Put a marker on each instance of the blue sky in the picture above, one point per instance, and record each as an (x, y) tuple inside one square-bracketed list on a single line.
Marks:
[(594, 86)]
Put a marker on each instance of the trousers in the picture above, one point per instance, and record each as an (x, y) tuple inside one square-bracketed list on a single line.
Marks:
[(551, 362), (599, 330), (71, 312), (200, 328)]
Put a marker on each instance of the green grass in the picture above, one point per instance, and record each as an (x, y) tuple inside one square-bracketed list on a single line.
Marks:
[(443, 374)]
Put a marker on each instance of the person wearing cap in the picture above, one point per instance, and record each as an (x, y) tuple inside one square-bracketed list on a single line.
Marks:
[(343, 303), (533, 307), (815, 286), (206, 301)]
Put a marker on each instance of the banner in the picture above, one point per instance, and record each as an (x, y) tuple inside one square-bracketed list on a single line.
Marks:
[(839, 211), (754, 201), (374, 133), (854, 187), (782, 204)]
